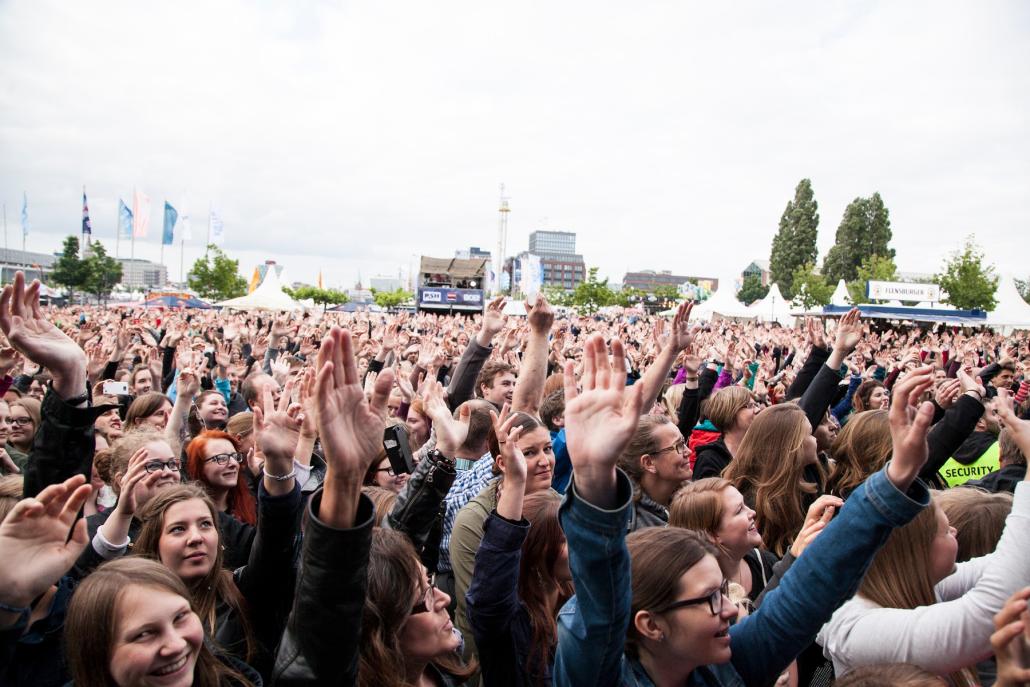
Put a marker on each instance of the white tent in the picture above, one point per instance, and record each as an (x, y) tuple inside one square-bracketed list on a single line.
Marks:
[(269, 295), (840, 294), (1011, 311), (723, 303), (773, 308)]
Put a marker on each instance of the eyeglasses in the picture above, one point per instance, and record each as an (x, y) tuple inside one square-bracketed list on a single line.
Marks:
[(714, 600), (224, 458), (429, 600), (21, 421), (388, 471), (157, 465), (679, 447)]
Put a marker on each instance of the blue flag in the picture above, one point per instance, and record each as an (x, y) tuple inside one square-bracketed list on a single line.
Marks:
[(124, 220), (171, 216), (87, 228), (25, 213)]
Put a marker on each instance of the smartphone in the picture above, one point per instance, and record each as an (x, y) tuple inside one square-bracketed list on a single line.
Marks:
[(395, 442), (115, 388)]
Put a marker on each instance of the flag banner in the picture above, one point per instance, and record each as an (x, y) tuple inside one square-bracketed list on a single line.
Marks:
[(532, 275), (216, 229), (255, 281), (124, 220), (320, 280), (25, 213), (140, 214), (167, 236), (87, 228)]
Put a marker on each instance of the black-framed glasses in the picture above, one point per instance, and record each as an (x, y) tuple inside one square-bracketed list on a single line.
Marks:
[(224, 458), (153, 466), (714, 600), (388, 470), (22, 421), (429, 600), (679, 447)]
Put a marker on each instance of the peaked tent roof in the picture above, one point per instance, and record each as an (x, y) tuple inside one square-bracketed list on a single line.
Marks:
[(1011, 310), (269, 295), (773, 308), (840, 294), (723, 303)]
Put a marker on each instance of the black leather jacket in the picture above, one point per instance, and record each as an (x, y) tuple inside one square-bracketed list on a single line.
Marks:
[(322, 640), (419, 509)]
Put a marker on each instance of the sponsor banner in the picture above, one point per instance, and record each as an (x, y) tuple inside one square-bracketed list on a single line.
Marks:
[(443, 297), (900, 291)]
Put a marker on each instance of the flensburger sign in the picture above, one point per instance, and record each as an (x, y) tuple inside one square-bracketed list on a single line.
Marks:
[(893, 290)]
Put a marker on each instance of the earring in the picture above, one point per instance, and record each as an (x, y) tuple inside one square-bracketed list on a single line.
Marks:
[(661, 637)]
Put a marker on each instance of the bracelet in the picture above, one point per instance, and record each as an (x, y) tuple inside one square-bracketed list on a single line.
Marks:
[(281, 478)]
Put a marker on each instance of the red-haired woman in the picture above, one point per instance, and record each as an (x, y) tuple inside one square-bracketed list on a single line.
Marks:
[(213, 458)]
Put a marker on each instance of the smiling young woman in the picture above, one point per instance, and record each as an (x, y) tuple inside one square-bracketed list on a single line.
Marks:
[(133, 622), (213, 458)]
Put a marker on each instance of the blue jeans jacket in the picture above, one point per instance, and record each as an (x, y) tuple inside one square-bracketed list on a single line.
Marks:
[(592, 625)]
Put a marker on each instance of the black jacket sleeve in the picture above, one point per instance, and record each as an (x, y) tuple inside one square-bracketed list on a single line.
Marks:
[(323, 634), (947, 435), (167, 367), (816, 359), (689, 410), (705, 383), (63, 445), (819, 395), (419, 509), (463, 381)]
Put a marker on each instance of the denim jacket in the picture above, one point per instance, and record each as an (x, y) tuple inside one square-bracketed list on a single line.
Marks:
[(592, 625)]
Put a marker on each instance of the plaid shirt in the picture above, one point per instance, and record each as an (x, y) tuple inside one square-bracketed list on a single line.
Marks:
[(466, 487)]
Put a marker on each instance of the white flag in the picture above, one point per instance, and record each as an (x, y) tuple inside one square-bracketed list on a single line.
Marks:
[(216, 229), (185, 230)]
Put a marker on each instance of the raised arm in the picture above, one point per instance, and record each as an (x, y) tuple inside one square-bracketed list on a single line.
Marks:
[(529, 388), (655, 376), (463, 381)]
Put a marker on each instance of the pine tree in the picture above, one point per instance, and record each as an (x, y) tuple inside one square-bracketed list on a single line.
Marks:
[(794, 243), (864, 231), (752, 290)]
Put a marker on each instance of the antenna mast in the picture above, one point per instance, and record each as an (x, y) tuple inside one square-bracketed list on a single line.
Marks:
[(502, 240)]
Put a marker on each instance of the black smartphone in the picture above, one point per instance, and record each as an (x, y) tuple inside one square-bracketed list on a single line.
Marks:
[(395, 442)]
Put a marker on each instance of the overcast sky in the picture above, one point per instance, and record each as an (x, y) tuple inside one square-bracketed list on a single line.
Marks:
[(348, 136)]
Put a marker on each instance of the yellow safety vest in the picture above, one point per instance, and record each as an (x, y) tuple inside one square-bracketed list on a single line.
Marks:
[(955, 473)]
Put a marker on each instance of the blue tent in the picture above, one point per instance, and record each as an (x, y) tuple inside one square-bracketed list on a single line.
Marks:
[(170, 301), (966, 318)]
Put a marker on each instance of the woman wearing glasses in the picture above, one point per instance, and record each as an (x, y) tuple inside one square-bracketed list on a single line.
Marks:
[(664, 586), (24, 423), (657, 461), (213, 458), (381, 475)]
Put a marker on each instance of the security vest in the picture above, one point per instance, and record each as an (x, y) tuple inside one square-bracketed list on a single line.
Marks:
[(955, 473)]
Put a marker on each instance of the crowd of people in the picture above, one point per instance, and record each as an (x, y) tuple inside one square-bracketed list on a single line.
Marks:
[(246, 498)]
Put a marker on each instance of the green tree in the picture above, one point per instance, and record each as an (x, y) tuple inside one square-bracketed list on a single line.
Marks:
[(556, 295), (873, 268), (592, 294), (968, 282), (1023, 286), (391, 299), (666, 293), (628, 297), (865, 230), (69, 270), (752, 290), (811, 289), (217, 277), (794, 243), (102, 272), (325, 297)]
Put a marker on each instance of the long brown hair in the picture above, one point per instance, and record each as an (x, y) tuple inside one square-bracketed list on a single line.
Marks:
[(218, 585), (659, 557), (394, 579), (721, 408), (540, 552), (978, 517), (769, 471), (899, 576), (862, 400), (92, 620), (698, 506), (862, 447), (240, 502), (143, 407)]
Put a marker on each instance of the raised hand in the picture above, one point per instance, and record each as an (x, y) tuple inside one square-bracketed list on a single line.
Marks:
[(819, 515), (599, 420), (276, 433), (1019, 429), (493, 322), (511, 463), (947, 393), (681, 335), (40, 341), (849, 332), (540, 315), (35, 549), (223, 355), (10, 359), (909, 427), (350, 426), (450, 433), (1011, 641), (816, 336)]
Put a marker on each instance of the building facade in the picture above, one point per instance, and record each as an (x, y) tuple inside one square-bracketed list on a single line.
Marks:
[(563, 242), (562, 266), (143, 275), (757, 268), (649, 280)]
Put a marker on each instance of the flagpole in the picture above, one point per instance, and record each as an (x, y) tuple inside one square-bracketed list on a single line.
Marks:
[(135, 211), (182, 251), (118, 229)]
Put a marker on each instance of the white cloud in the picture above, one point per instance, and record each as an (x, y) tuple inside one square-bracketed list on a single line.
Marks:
[(668, 135)]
